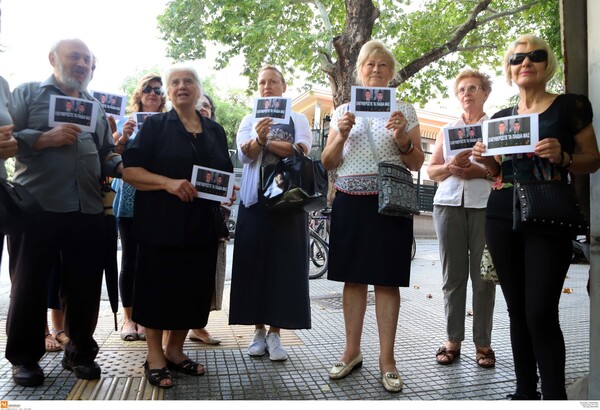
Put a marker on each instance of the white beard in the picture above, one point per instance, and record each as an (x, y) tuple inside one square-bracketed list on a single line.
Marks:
[(71, 83)]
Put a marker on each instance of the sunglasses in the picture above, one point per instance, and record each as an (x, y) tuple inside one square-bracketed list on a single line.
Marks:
[(536, 56), (148, 90)]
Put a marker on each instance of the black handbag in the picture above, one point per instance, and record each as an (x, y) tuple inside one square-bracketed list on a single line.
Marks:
[(548, 205), (295, 183), (17, 205), (397, 190)]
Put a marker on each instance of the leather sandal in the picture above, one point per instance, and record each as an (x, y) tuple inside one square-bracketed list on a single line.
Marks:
[(156, 376), (485, 359), (61, 336), (52, 345), (187, 366), (445, 356)]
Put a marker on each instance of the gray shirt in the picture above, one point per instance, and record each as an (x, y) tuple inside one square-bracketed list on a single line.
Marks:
[(65, 178), (5, 103)]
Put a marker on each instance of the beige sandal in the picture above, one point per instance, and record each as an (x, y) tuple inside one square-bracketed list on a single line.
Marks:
[(61, 336), (52, 345)]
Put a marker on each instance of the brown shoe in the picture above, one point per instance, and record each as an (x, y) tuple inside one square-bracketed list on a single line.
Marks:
[(445, 356), (485, 359)]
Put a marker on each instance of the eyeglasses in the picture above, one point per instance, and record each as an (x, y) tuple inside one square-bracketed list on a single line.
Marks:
[(536, 56), (149, 89), (470, 89)]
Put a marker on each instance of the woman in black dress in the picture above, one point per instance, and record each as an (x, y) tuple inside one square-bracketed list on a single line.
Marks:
[(176, 231), (269, 280)]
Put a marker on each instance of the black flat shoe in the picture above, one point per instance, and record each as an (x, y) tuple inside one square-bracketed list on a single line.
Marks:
[(186, 366), (518, 396), (28, 375), (86, 371), (156, 376)]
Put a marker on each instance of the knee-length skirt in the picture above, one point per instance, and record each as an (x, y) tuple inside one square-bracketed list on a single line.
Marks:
[(366, 247)]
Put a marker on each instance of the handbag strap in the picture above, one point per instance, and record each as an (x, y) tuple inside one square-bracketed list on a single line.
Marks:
[(371, 141)]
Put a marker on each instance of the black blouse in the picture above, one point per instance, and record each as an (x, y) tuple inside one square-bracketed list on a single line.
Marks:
[(163, 146), (565, 117)]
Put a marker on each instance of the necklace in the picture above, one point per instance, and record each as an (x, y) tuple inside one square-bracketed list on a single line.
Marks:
[(195, 131)]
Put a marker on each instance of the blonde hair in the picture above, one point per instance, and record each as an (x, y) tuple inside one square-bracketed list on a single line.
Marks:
[(486, 81), (538, 44), (374, 49), (136, 98)]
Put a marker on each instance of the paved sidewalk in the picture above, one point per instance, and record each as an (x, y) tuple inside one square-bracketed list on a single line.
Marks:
[(233, 375)]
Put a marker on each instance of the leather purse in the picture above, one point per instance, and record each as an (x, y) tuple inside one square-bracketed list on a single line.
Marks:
[(296, 183), (397, 190), (548, 205), (17, 205)]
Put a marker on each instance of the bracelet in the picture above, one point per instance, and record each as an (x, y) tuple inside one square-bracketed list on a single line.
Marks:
[(259, 143), (570, 161), (407, 151)]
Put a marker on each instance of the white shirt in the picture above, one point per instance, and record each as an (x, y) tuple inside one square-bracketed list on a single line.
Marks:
[(451, 190)]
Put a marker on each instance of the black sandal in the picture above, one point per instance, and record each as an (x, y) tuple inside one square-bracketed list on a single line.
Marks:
[(186, 366), (156, 376)]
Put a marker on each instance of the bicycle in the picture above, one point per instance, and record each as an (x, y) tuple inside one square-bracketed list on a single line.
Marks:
[(318, 247), (318, 254)]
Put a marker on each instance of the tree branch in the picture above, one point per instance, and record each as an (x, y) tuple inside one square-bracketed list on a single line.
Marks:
[(452, 45)]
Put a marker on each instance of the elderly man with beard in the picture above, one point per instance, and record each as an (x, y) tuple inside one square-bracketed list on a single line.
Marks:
[(61, 167)]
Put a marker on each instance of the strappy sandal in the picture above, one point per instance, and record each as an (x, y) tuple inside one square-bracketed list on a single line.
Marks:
[(445, 356), (485, 359), (156, 376), (61, 336), (52, 345), (187, 366)]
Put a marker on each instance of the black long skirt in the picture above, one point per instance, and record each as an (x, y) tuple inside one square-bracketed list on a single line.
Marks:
[(269, 280), (366, 247), (173, 286)]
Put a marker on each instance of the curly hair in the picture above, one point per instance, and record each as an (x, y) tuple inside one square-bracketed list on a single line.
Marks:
[(136, 98)]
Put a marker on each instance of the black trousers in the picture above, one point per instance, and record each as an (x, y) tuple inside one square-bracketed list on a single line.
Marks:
[(532, 268), (129, 249), (78, 238)]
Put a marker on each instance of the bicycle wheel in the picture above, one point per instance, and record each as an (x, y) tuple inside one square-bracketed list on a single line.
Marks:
[(318, 255)]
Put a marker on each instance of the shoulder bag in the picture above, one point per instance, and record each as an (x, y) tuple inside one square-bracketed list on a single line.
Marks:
[(548, 204), (17, 205), (397, 191), (296, 183)]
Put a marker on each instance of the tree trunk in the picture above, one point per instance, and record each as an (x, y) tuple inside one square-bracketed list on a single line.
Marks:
[(360, 18)]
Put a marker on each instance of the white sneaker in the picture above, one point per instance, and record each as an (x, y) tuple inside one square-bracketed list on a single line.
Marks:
[(258, 345), (275, 348)]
